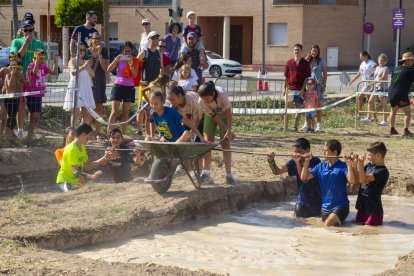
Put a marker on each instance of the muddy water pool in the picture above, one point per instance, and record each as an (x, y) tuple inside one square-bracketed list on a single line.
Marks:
[(265, 239)]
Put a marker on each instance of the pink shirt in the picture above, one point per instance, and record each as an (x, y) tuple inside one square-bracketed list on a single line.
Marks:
[(120, 77), (310, 98), (38, 80)]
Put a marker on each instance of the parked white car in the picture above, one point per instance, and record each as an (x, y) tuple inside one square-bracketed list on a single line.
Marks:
[(219, 66)]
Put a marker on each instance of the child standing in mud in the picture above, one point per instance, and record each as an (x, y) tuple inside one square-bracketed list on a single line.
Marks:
[(373, 177), (120, 167), (309, 199), (75, 161), (333, 175)]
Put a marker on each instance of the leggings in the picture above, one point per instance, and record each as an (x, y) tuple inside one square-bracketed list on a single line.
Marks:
[(12, 106)]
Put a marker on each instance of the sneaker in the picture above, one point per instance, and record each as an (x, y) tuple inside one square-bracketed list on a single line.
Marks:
[(318, 128), (393, 131), (310, 130), (384, 123), (407, 132), (179, 170), (205, 179), (366, 120), (230, 179), (20, 134), (304, 128), (294, 129)]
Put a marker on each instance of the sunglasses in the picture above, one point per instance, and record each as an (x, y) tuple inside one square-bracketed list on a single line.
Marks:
[(28, 30), (155, 38), (145, 24), (191, 38), (162, 46)]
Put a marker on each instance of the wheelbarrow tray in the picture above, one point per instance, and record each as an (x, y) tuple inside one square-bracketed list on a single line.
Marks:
[(179, 150), (167, 155)]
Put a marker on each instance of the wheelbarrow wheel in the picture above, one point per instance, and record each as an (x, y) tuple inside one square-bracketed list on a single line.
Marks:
[(161, 175)]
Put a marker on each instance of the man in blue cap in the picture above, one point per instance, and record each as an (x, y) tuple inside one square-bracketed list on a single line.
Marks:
[(27, 16)]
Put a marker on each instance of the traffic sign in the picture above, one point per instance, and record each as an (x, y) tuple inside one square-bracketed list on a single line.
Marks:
[(368, 28), (398, 18)]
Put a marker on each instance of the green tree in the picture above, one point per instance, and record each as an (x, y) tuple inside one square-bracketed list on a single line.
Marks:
[(72, 12)]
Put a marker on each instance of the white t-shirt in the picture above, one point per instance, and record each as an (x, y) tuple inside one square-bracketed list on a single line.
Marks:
[(187, 84), (366, 69), (144, 43)]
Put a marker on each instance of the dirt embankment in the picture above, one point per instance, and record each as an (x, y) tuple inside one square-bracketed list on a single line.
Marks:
[(101, 212)]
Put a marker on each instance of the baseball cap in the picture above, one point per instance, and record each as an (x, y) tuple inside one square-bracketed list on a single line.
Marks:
[(152, 34), (302, 143), (192, 34), (26, 23), (190, 13), (145, 21), (28, 16)]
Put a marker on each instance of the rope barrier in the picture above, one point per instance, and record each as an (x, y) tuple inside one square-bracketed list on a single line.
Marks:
[(102, 121), (21, 94)]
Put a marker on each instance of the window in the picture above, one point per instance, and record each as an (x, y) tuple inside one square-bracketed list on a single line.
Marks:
[(278, 35), (113, 31)]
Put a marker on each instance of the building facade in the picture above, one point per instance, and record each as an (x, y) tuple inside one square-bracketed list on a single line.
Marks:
[(233, 28)]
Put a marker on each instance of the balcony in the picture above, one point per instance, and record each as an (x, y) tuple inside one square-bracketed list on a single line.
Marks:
[(140, 2), (316, 2)]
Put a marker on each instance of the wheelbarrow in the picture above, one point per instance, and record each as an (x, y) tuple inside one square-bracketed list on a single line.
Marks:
[(168, 155)]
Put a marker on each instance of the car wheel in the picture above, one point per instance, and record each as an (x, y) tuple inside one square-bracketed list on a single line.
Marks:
[(230, 76), (215, 71)]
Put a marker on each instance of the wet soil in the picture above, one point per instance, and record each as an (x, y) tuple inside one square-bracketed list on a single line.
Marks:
[(32, 224)]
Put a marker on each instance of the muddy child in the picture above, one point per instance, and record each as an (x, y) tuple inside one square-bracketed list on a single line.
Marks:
[(333, 175), (372, 177), (75, 161), (14, 82), (309, 199)]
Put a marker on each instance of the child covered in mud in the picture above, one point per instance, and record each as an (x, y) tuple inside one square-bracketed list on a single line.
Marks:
[(75, 161), (14, 82), (373, 177), (309, 199), (333, 175), (120, 166)]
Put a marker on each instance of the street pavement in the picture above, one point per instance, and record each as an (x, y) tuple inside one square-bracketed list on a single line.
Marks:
[(239, 88)]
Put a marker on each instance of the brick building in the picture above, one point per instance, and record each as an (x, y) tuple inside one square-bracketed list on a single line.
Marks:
[(234, 27)]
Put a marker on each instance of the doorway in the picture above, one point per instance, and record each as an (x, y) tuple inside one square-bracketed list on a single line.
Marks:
[(236, 43)]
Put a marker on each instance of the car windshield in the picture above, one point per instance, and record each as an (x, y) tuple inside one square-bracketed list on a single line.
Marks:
[(5, 52), (213, 55)]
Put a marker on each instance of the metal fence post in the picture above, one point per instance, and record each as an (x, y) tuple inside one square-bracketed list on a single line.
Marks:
[(75, 95)]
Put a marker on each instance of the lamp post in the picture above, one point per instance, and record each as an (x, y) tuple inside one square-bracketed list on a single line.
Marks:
[(263, 38)]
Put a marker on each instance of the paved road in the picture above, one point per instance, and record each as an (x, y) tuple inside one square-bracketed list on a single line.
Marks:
[(240, 88)]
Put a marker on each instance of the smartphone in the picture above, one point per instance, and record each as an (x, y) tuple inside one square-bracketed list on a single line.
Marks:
[(126, 57)]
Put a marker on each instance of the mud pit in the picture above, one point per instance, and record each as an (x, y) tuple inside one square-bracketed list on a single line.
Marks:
[(99, 212)]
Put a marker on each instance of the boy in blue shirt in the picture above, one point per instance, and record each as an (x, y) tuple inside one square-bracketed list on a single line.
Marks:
[(333, 175)]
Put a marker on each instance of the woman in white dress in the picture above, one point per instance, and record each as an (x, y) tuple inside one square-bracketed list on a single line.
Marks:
[(85, 94)]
